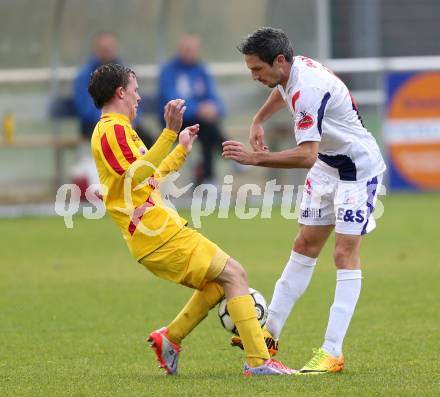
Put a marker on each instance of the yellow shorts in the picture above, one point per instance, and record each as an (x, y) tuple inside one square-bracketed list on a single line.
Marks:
[(188, 258)]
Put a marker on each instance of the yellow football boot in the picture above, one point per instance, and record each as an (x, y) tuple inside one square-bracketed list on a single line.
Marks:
[(322, 363)]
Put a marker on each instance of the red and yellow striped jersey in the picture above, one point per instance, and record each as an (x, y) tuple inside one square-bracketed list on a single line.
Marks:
[(130, 174)]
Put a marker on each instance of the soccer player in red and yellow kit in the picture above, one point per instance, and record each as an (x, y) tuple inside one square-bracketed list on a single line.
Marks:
[(156, 236)]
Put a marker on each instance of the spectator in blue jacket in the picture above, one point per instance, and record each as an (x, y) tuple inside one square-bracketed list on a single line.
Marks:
[(105, 48), (186, 76)]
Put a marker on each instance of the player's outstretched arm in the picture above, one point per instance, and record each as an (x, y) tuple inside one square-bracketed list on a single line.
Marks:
[(151, 161), (303, 156), (178, 156), (272, 105)]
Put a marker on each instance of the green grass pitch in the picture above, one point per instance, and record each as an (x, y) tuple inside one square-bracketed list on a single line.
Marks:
[(75, 309)]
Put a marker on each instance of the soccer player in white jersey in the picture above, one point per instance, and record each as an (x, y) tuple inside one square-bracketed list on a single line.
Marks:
[(340, 190)]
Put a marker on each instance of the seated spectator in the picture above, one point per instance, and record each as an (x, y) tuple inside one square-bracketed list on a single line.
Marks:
[(105, 49), (185, 76)]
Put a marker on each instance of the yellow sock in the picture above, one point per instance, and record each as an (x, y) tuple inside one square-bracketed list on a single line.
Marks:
[(194, 311), (243, 314)]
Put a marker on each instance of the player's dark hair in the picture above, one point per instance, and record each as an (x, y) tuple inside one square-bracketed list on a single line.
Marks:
[(105, 80), (267, 43)]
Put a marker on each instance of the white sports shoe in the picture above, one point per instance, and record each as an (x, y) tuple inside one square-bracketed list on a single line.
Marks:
[(270, 367), (167, 352)]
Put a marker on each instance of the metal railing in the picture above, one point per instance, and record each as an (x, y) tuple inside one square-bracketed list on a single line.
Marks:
[(224, 69)]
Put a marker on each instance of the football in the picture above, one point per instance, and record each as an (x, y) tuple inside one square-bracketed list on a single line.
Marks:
[(260, 307)]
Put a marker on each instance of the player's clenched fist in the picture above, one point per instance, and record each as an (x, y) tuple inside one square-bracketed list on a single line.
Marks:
[(173, 114)]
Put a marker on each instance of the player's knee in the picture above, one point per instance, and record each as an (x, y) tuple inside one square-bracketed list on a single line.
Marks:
[(344, 258), (339, 256), (299, 244), (303, 246), (239, 273), (346, 254), (233, 273)]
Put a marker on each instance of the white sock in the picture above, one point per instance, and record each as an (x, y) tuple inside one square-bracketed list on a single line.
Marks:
[(291, 285), (348, 288)]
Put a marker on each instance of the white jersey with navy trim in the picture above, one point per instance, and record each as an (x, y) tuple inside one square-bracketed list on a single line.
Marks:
[(324, 111)]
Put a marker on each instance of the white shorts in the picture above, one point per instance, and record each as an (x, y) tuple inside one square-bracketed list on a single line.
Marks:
[(348, 205)]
